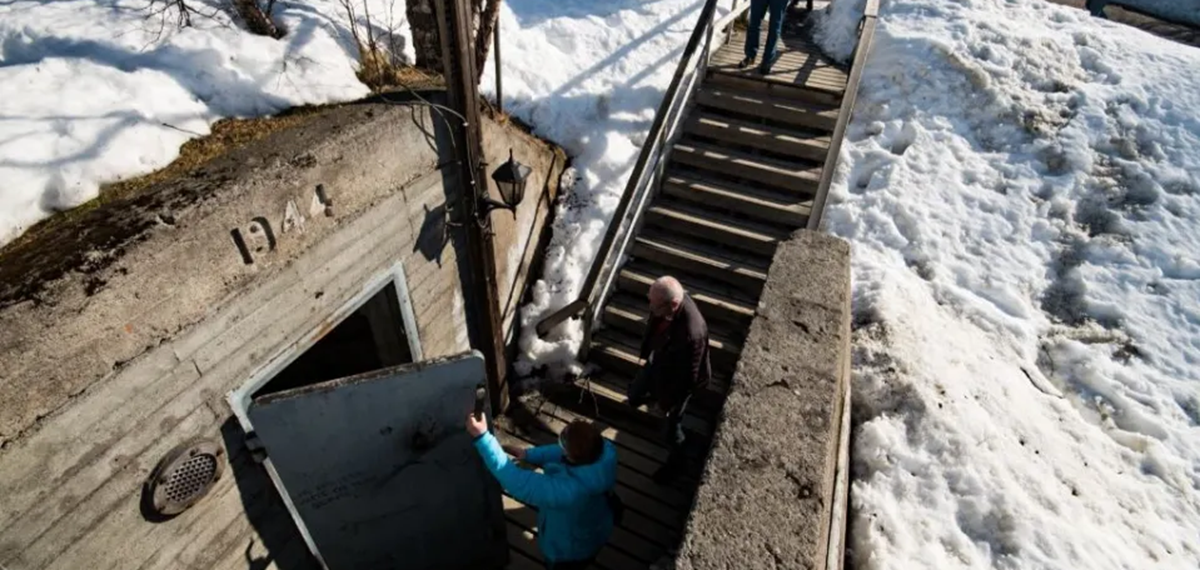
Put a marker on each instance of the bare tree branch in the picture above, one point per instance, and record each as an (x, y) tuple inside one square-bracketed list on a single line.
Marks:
[(180, 14)]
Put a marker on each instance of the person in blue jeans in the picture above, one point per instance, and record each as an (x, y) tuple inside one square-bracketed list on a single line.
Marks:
[(758, 9), (571, 493)]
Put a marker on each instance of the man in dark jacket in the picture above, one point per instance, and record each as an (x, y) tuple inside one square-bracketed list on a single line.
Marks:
[(675, 351)]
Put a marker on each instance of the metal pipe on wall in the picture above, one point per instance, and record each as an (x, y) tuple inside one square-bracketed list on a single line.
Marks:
[(483, 309), (499, 75)]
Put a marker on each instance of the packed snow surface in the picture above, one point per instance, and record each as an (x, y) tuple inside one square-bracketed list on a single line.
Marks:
[(1021, 185), (94, 91)]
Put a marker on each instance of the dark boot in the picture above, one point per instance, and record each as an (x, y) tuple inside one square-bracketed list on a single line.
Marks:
[(765, 67), (746, 62)]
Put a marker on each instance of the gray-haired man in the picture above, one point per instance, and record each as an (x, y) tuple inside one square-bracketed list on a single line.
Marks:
[(675, 349)]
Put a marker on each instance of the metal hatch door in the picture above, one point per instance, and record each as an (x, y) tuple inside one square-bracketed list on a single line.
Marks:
[(378, 470)]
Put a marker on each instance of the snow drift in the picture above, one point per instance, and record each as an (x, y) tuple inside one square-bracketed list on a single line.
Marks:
[(1021, 185), (98, 91)]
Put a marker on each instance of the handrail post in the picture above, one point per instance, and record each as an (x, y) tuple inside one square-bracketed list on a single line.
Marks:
[(585, 346), (707, 53)]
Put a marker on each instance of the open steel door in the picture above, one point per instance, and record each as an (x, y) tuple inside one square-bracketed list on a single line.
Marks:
[(379, 472)]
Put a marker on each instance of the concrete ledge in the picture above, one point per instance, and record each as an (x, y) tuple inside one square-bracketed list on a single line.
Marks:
[(103, 287), (767, 496)]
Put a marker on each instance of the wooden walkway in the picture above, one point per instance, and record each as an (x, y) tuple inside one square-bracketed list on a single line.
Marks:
[(800, 63), (654, 515), (739, 181)]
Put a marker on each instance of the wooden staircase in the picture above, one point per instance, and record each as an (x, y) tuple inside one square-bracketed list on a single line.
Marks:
[(740, 178)]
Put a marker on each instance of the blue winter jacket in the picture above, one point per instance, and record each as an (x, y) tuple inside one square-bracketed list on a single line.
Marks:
[(574, 520)]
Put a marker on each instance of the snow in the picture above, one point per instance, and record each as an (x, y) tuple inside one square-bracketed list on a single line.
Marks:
[(837, 28), (1187, 11), (590, 77), (1021, 186), (587, 75), (98, 91)]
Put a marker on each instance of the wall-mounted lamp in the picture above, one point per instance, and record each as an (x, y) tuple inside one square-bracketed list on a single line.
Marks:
[(510, 179)]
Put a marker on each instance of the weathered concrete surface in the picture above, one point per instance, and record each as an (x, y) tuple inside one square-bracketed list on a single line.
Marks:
[(518, 237), (95, 293), (105, 288), (765, 497), (122, 329)]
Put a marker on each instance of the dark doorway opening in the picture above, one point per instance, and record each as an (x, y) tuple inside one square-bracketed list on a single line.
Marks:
[(370, 338)]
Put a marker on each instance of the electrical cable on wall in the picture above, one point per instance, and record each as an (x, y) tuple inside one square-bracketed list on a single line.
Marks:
[(441, 110)]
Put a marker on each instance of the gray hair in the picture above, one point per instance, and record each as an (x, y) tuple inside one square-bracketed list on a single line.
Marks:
[(668, 287)]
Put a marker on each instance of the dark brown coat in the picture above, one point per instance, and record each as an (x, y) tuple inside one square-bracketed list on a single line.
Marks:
[(681, 366)]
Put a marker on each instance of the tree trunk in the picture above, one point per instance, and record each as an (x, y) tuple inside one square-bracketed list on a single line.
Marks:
[(483, 39), (422, 20), (257, 21)]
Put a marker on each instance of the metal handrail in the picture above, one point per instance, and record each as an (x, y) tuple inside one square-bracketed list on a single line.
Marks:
[(866, 33), (639, 189), (728, 19), (636, 190)]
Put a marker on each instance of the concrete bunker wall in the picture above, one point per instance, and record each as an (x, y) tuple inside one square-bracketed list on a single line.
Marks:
[(110, 358), (773, 493)]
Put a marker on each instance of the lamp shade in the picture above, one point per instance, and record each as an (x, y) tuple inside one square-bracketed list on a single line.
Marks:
[(510, 179)]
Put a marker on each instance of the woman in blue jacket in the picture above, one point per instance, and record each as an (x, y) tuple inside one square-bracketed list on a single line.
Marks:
[(571, 493)]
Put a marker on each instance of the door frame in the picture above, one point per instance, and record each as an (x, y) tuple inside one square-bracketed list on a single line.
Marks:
[(239, 399)]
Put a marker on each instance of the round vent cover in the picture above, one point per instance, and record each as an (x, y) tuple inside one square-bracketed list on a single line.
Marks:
[(184, 476)]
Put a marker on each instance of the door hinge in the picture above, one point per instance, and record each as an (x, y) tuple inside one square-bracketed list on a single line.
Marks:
[(255, 446)]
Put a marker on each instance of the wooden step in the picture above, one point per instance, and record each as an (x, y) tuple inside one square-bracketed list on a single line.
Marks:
[(677, 251), (525, 516), (723, 357), (612, 402), (749, 82), (524, 519), (799, 68), (716, 301), (606, 350), (779, 110), (622, 423), (785, 141), (718, 384), (646, 455), (519, 561), (678, 217), (639, 480), (707, 402), (774, 207), (625, 314), (615, 357), (799, 178), (589, 398)]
